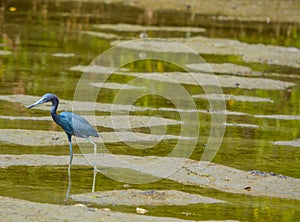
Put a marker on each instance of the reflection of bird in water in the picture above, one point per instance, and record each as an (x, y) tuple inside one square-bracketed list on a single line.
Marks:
[(73, 125)]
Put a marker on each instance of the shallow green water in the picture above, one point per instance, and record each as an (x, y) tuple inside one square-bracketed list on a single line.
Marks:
[(34, 35)]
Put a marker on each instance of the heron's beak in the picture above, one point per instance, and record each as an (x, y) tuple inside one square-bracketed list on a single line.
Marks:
[(40, 101)]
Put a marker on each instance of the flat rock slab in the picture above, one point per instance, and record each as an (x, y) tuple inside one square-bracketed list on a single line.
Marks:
[(224, 68), (227, 81), (91, 106), (260, 53), (27, 100), (132, 197), (3, 52), (121, 27), (295, 143), (114, 121), (55, 138), (278, 116), (21, 210), (63, 55), (242, 125), (255, 53), (101, 35), (241, 98), (203, 79), (189, 172), (113, 85)]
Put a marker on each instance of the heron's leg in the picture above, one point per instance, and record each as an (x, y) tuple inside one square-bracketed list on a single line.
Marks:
[(71, 158), (95, 166), (94, 181), (95, 152), (69, 186), (69, 168)]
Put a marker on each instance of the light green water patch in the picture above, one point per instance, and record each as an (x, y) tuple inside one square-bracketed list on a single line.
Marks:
[(258, 154)]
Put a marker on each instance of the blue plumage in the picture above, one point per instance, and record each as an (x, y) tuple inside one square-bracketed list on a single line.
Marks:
[(71, 123), (76, 125)]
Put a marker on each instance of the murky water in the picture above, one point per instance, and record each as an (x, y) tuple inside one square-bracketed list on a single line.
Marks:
[(46, 40)]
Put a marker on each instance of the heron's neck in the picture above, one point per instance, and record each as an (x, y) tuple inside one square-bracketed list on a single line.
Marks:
[(53, 109)]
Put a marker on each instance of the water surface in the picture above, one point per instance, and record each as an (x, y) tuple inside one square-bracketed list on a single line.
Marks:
[(46, 40)]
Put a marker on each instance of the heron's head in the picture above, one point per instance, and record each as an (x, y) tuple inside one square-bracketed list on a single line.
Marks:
[(45, 98)]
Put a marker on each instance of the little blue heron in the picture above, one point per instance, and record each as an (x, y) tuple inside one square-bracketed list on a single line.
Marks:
[(72, 124)]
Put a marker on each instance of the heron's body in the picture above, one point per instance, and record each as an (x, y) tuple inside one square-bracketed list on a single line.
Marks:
[(71, 123), (74, 125)]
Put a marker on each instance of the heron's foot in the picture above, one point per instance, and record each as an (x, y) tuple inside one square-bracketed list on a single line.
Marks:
[(96, 170)]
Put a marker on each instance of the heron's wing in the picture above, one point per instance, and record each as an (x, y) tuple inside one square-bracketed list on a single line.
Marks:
[(80, 126), (65, 121)]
